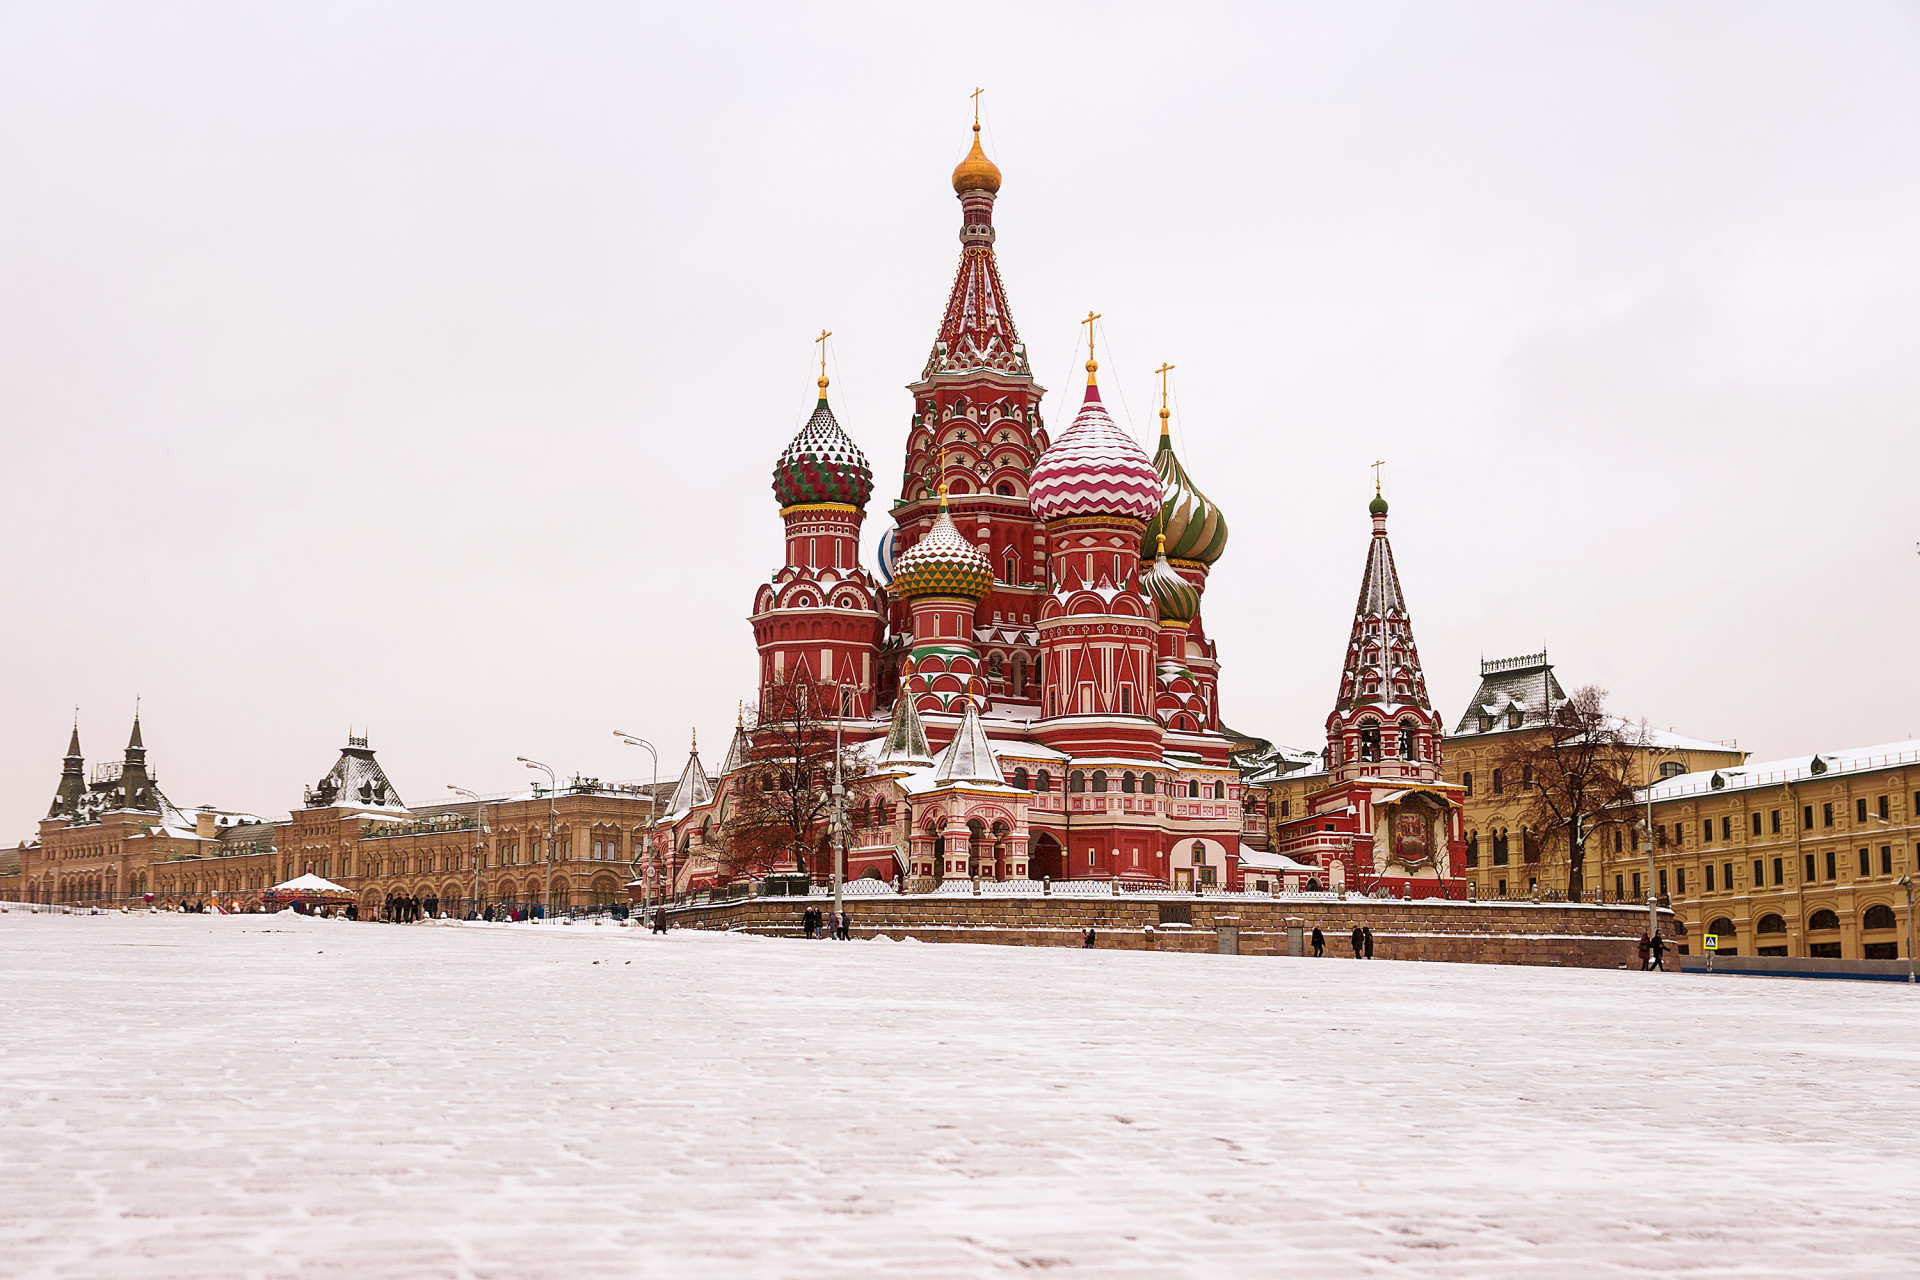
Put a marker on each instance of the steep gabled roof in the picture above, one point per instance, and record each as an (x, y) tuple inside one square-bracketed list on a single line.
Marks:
[(356, 781), (694, 788), (1525, 684), (969, 757)]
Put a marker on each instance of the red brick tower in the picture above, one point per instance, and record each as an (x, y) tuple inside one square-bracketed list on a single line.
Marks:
[(820, 613), (976, 429)]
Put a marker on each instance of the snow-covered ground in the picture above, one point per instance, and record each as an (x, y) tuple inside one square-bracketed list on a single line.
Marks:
[(195, 1096)]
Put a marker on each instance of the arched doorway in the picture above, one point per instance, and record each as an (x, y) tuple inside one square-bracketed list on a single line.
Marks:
[(1044, 861)]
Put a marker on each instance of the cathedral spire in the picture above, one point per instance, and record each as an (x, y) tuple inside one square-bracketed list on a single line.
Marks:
[(1383, 705), (977, 331)]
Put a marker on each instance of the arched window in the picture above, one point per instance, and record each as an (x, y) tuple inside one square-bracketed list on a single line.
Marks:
[(994, 666), (1409, 744), (1005, 490), (1473, 848), (1369, 742), (1099, 781), (1193, 788), (1126, 699), (1771, 923), (1219, 789), (1020, 778), (1147, 783), (1722, 928), (1045, 781), (1077, 781), (1127, 782), (1878, 916), (1526, 777), (1823, 919), (1671, 768)]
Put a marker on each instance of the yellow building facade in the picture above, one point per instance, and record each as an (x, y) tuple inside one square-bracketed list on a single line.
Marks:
[(1799, 857)]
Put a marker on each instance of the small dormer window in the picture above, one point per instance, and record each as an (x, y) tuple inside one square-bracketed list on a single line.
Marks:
[(1514, 718), (1486, 723)]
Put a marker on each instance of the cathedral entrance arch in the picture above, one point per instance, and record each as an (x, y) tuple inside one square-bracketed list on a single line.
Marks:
[(1046, 862)]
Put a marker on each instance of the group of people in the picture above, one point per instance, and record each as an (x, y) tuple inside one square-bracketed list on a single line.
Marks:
[(1653, 952), (815, 923), (1362, 942), (406, 910)]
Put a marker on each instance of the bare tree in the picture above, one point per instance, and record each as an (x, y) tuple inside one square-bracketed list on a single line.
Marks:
[(1575, 776), (782, 801)]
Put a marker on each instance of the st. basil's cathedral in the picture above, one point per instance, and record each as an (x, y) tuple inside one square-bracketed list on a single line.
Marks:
[(1029, 677)]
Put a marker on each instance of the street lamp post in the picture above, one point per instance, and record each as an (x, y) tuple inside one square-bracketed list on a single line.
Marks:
[(641, 870), (839, 807), (552, 826), (479, 839)]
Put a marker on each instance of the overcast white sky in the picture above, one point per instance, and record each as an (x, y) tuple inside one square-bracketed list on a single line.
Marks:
[(420, 367)]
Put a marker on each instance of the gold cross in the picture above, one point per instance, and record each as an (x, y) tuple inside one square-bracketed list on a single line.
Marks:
[(1376, 477), (975, 95), (822, 340), (1163, 371)]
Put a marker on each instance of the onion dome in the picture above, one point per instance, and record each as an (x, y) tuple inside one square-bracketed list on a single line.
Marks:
[(1378, 506), (943, 563), (1176, 599), (823, 464), (976, 172), (1195, 529), (1094, 469)]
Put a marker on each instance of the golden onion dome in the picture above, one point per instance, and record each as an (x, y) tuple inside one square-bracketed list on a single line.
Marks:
[(976, 172), (943, 563)]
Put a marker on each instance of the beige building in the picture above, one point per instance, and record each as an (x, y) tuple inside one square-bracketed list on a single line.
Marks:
[(114, 837), (1513, 704), (1797, 857)]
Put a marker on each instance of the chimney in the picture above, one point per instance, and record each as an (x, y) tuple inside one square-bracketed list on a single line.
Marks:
[(206, 825)]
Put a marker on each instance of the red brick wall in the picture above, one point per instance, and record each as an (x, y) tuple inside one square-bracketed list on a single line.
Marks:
[(1470, 933)]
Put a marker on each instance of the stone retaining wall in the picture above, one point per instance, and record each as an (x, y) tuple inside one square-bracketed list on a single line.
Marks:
[(1463, 932)]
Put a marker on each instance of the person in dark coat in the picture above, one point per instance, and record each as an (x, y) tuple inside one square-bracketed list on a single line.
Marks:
[(1369, 937), (1359, 941), (808, 923), (1659, 948), (1319, 943), (846, 927), (659, 919), (1646, 950), (1087, 941)]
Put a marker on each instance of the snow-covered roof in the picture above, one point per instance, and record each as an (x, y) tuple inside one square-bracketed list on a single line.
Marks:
[(1773, 773), (357, 782), (310, 883), (1263, 860), (969, 757), (693, 790), (1525, 684)]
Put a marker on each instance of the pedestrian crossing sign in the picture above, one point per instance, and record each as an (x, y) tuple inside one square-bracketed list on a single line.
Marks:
[(1713, 942)]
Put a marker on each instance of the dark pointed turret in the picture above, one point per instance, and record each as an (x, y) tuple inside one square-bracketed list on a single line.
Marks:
[(136, 785), (73, 779)]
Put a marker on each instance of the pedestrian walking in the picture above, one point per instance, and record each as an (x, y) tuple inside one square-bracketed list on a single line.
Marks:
[(846, 926), (1659, 947), (1646, 952), (1359, 941), (659, 919), (1088, 940), (1319, 943), (1369, 939)]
